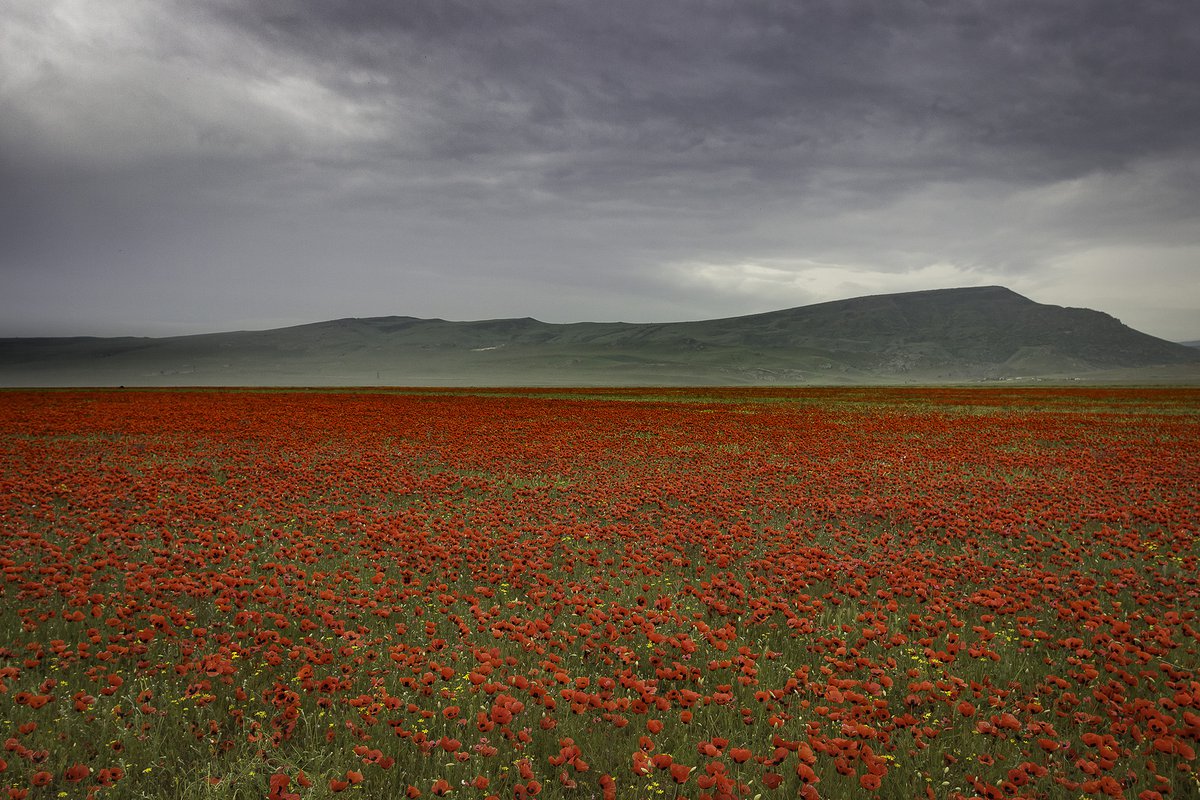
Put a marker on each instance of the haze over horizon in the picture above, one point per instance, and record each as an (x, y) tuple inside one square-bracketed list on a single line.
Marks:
[(175, 167)]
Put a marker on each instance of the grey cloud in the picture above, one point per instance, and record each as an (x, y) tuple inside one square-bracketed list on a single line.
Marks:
[(611, 94), (1094, 79), (585, 147)]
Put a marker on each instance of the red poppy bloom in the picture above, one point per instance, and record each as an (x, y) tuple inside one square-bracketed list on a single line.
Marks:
[(76, 772), (680, 773), (740, 754)]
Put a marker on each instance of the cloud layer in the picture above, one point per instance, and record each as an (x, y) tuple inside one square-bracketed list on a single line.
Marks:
[(187, 166)]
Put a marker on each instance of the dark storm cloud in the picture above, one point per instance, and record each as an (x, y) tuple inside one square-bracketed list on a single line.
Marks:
[(581, 159), (1019, 89)]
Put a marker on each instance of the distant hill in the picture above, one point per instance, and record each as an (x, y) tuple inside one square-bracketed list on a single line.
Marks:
[(937, 336)]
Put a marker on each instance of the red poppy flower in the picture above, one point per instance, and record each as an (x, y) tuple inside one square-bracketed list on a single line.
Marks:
[(680, 773), (740, 754), (76, 772)]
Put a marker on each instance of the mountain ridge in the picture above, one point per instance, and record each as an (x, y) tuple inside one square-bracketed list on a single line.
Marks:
[(929, 336)]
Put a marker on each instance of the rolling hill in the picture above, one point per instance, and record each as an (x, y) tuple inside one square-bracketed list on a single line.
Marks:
[(936, 336)]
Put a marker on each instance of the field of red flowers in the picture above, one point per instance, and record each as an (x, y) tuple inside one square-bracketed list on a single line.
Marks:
[(622, 594)]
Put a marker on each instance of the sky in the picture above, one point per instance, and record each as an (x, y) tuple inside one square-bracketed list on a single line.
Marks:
[(183, 166)]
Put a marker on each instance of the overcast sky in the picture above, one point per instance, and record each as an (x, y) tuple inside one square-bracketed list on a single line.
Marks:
[(204, 165)]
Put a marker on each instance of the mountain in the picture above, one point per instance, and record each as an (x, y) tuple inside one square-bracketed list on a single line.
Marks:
[(936, 336)]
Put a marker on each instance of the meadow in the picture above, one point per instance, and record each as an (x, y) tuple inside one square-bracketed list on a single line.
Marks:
[(751, 593)]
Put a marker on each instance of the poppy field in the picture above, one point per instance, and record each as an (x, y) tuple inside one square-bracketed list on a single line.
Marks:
[(608, 594)]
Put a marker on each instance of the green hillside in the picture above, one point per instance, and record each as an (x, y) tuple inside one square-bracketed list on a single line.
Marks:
[(945, 335)]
